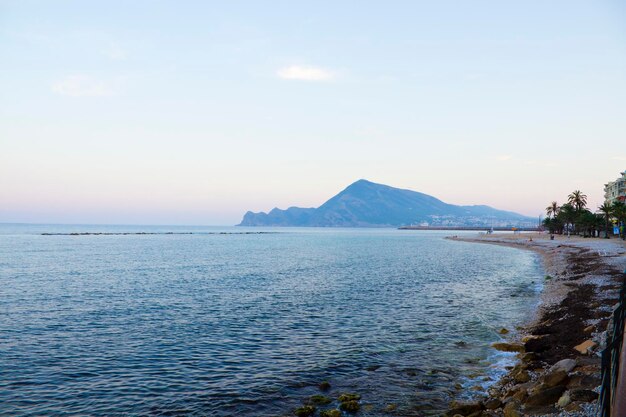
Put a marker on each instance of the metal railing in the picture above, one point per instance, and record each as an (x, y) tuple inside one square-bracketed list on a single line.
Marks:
[(611, 355)]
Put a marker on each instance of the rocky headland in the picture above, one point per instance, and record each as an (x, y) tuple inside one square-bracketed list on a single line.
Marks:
[(367, 204), (558, 372)]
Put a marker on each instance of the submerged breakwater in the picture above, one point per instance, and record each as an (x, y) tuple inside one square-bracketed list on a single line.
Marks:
[(251, 325)]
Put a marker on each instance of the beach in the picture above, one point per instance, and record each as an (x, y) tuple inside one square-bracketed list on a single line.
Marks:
[(558, 373)]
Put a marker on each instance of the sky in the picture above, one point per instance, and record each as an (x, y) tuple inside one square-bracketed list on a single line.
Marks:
[(194, 112)]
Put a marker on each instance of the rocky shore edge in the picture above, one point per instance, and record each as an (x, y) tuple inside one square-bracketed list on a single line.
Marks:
[(559, 370)]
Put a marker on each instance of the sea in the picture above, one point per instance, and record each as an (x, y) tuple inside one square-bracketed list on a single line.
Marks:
[(231, 321)]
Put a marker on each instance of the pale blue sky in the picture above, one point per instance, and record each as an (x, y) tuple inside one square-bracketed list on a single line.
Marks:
[(193, 112)]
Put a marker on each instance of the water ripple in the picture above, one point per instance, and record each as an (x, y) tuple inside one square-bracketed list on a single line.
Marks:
[(250, 325)]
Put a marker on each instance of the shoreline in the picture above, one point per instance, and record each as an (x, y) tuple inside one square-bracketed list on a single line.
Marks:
[(552, 378)]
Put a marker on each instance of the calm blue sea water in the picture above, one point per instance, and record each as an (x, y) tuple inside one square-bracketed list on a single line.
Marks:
[(249, 325)]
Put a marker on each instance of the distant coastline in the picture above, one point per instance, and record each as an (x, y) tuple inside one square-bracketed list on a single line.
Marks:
[(472, 228)]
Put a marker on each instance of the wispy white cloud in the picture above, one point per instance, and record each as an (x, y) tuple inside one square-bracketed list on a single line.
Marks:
[(545, 164), (305, 73), (529, 162), (619, 158), (115, 52), (82, 86)]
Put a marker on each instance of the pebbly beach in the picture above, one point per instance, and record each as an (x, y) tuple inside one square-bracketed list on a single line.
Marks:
[(558, 372)]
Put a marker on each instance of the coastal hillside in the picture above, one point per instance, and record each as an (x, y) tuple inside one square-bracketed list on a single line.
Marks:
[(367, 204)]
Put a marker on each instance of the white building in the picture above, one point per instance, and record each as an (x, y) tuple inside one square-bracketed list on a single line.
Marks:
[(616, 190)]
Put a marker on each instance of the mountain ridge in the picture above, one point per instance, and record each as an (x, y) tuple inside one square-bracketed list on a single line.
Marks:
[(368, 204)]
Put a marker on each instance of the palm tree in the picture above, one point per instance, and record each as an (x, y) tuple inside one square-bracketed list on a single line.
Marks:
[(607, 210), (577, 199), (567, 215), (553, 209), (554, 225), (587, 223), (599, 223), (619, 212)]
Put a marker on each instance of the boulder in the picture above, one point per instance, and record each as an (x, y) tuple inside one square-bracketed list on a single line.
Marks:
[(324, 386), (512, 409), (589, 368), (530, 337), (330, 413), (349, 402), (554, 378), (508, 347), (320, 399), (583, 395), (520, 395), (584, 381), (567, 365), (572, 407), (464, 409), (545, 396), (537, 345), (512, 412), (521, 376), (493, 404), (527, 357), (349, 397), (351, 406), (564, 400), (391, 407), (305, 411), (586, 347), (515, 390)]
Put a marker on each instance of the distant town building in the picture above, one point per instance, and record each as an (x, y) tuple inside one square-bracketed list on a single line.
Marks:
[(616, 190)]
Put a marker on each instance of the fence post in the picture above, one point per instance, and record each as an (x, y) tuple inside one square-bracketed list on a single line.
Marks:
[(614, 364)]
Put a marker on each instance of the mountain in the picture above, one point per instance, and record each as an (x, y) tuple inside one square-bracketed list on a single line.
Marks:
[(367, 204)]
